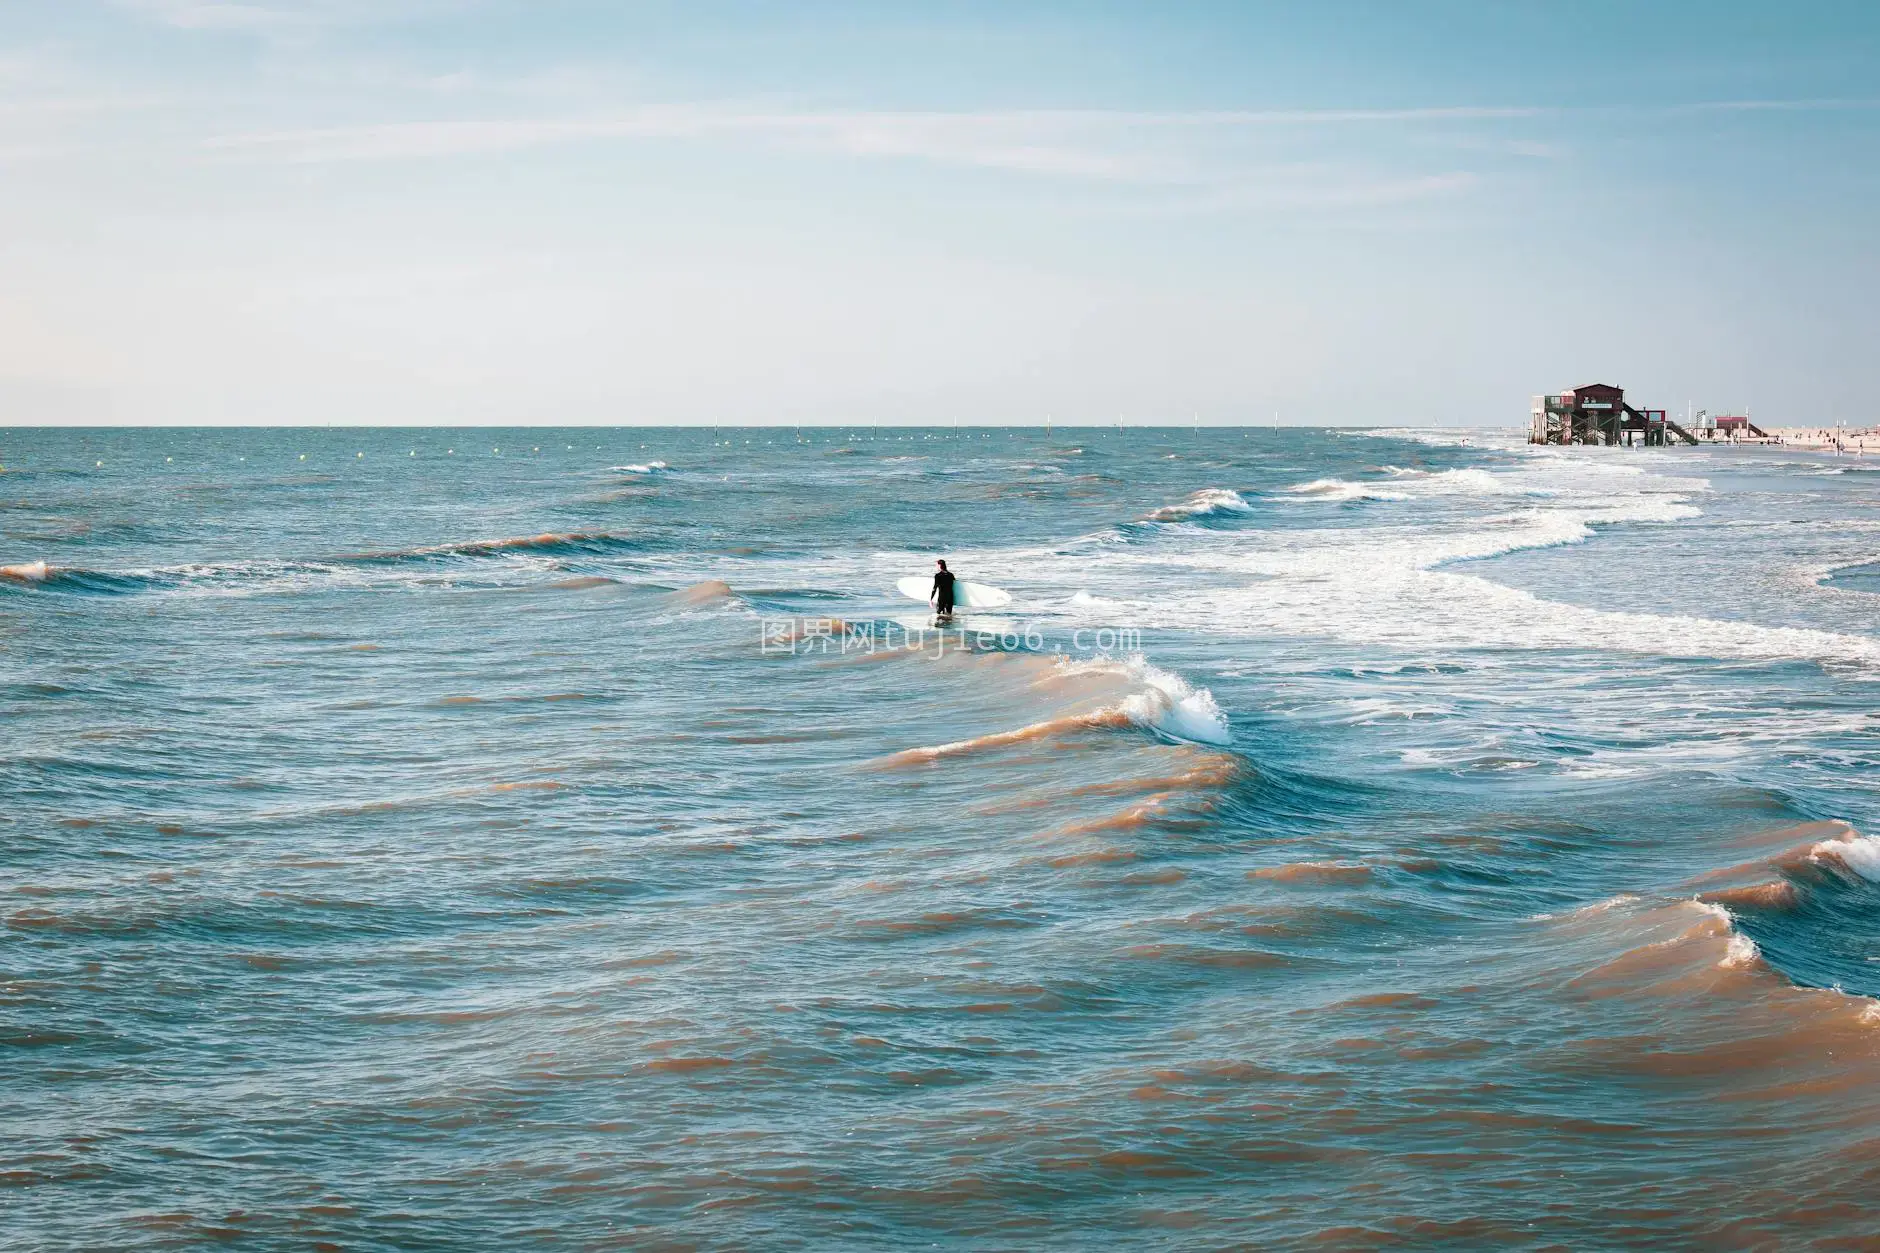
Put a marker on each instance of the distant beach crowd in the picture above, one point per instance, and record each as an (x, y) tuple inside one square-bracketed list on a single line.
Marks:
[(1829, 439)]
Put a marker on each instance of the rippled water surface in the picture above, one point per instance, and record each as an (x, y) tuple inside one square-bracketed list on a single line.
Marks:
[(453, 838)]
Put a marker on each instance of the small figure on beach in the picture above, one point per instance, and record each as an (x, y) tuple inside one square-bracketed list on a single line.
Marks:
[(942, 594)]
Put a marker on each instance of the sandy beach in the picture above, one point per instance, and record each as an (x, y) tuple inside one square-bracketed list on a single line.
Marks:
[(1828, 438)]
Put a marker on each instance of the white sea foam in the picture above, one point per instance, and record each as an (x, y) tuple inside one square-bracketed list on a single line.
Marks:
[(1740, 951), (1386, 706), (1342, 490), (1366, 597), (1473, 482), (1861, 854), (1398, 581), (1585, 911), (1449, 437), (1396, 585), (1461, 481), (1544, 477), (1166, 702), (1172, 706), (651, 467), (1817, 576), (1209, 501)]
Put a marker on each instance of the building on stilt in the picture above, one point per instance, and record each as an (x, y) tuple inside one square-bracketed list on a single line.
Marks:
[(1597, 413)]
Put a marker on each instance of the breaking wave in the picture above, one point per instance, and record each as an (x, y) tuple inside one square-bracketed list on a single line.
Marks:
[(1342, 490), (1162, 702), (1398, 585), (1209, 502), (1859, 853), (27, 572), (1804, 907)]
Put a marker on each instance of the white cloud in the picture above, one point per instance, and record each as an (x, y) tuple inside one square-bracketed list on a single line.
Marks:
[(1321, 188), (217, 14), (272, 19), (1050, 141), (1216, 157)]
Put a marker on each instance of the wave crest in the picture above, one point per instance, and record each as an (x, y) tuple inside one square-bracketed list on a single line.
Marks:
[(1342, 490), (1209, 502), (594, 543)]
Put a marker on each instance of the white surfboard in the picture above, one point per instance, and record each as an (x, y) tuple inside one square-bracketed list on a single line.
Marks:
[(965, 595)]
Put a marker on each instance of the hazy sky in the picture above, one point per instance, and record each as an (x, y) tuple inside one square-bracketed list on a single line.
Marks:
[(564, 211)]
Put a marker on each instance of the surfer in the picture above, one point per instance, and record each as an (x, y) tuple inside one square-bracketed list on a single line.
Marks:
[(942, 594)]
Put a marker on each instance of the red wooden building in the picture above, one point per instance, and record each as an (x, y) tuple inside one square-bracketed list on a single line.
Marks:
[(1597, 413)]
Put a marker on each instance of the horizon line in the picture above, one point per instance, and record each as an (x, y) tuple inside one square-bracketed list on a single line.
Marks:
[(1053, 424)]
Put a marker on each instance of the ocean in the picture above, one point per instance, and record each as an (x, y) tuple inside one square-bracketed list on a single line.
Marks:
[(568, 839)]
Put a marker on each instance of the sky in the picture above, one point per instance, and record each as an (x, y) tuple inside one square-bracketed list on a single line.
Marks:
[(1346, 212)]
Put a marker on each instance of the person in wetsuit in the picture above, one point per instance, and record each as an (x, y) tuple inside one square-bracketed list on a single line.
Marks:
[(942, 594)]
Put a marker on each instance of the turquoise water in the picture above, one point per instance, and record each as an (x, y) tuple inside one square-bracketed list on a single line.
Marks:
[(438, 838)]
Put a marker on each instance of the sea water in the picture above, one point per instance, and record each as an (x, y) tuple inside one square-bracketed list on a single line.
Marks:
[(567, 838)]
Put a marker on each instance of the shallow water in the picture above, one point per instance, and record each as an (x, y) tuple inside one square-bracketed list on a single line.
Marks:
[(438, 838)]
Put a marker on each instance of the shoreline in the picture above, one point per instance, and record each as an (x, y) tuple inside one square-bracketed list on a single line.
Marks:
[(1826, 438)]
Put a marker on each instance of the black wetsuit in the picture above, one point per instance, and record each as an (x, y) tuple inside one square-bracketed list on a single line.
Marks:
[(943, 591)]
